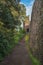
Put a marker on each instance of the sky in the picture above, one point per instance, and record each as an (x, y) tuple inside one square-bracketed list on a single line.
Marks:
[(29, 5)]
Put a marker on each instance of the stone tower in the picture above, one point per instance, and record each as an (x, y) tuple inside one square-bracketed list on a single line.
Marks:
[(26, 24), (36, 30)]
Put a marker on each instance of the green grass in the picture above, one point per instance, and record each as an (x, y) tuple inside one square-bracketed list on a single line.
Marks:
[(18, 37), (33, 59), (26, 38)]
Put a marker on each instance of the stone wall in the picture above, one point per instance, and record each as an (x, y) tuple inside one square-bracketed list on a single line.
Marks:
[(36, 30), (26, 24)]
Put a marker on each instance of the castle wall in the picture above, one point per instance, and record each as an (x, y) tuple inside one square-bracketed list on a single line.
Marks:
[(36, 30)]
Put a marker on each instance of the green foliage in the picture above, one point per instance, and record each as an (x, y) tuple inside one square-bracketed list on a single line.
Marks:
[(27, 38), (8, 22), (6, 41), (7, 8), (34, 60), (22, 12), (21, 30), (18, 36)]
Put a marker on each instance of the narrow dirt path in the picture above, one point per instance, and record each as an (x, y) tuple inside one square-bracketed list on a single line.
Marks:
[(19, 56)]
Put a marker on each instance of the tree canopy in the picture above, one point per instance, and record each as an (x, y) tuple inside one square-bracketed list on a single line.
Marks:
[(9, 13)]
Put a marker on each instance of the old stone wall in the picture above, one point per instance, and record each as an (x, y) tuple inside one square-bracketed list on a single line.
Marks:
[(36, 30), (26, 24)]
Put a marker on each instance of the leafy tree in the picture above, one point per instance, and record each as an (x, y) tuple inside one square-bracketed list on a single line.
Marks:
[(22, 10), (22, 13), (7, 11), (9, 19)]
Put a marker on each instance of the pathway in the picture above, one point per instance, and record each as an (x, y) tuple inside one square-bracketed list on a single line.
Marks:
[(19, 56)]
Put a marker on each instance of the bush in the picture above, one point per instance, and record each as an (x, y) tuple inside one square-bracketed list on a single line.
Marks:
[(6, 42)]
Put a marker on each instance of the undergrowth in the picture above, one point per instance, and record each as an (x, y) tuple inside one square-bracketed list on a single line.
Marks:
[(33, 59)]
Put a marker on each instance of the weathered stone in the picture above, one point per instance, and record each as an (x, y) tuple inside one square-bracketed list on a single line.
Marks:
[(26, 24), (36, 30)]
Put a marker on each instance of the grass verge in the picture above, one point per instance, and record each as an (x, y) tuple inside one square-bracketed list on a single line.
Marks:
[(33, 59)]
